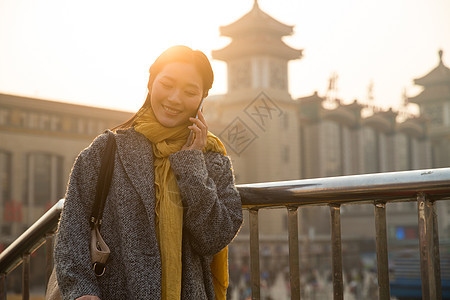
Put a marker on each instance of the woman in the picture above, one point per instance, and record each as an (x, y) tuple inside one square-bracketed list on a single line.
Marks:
[(172, 207)]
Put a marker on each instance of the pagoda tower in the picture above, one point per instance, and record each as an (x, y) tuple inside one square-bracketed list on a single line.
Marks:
[(257, 117), (257, 58), (434, 103)]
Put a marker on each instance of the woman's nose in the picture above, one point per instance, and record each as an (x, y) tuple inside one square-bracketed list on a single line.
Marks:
[(174, 95)]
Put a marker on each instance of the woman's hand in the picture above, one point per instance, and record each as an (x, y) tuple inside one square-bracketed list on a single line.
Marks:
[(199, 131), (88, 297)]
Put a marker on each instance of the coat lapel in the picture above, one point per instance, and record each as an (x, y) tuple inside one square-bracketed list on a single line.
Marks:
[(136, 155)]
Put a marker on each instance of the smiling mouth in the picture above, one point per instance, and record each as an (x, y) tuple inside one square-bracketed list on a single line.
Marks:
[(171, 110)]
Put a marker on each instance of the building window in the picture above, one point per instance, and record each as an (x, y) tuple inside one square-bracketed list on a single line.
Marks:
[(90, 127), (239, 75), (331, 141), (5, 190), (33, 120), (277, 75), (4, 116), (435, 113), (5, 177), (402, 152), (80, 126), (55, 123), (44, 122), (371, 153), (45, 178)]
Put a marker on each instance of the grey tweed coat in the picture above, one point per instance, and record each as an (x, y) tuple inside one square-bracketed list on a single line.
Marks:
[(212, 218)]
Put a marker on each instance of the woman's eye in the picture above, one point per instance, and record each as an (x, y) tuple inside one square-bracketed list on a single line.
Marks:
[(190, 93), (166, 85)]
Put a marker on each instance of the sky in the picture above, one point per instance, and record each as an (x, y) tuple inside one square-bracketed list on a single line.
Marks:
[(98, 52)]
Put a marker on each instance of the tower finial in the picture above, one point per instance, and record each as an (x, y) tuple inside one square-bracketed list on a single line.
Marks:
[(441, 52), (255, 4)]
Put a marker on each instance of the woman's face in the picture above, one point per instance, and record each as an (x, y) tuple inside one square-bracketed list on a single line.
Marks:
[(176, 94)]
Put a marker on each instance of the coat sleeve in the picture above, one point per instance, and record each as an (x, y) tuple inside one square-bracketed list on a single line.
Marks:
[(72, 254), (213, 211)]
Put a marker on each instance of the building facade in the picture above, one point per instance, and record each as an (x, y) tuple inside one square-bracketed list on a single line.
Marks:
[(39, 141), (272, 136)]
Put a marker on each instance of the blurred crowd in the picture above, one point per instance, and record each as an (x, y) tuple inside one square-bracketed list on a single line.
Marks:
[(359, 282)]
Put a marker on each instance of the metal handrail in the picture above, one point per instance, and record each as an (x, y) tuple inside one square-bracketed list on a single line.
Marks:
[(424, 186), (31, 239), (320, 191), (354, 188)]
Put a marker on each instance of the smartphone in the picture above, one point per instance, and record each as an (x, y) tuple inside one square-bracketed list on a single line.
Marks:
[(199, 108), (191, 135)]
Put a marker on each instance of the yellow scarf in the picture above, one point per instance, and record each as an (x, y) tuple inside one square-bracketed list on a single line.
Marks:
[(169, 207)]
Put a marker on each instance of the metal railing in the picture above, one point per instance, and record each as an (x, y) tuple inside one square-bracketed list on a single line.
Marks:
[(19, 252), (423, 186)]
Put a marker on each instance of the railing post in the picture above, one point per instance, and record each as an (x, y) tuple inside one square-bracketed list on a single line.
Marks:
[(49, 244), (382, 251), (254, 254), (429, 248), (2, 286), (338, 288), (436, 255), (26, 276), (294, 261)]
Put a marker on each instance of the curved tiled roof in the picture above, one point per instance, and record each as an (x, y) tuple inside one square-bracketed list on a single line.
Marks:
[(440, 74), (256, 33), (256, 20)]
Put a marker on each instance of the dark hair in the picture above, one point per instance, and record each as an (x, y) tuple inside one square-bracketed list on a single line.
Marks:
[(174, 54)]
